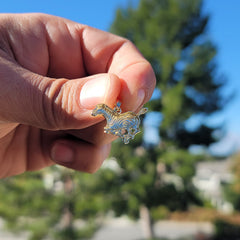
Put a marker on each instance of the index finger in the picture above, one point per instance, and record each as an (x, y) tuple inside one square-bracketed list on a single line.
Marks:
[(105, 52)]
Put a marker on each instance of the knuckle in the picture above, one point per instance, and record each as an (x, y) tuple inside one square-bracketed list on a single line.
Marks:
[(54, 104)]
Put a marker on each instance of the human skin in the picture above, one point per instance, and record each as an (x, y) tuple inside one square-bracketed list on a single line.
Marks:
[(52, 74)]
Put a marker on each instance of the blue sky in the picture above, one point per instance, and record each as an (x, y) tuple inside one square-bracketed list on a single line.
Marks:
[(224, 31)]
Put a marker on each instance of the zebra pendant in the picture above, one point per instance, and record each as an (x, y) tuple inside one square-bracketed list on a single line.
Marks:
[(124, 125)]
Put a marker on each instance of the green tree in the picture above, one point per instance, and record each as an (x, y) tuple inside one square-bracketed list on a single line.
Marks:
[(48, 203), (171, 34)]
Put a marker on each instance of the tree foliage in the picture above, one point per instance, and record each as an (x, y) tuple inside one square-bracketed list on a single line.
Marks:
[(48, 203), (171, 34)]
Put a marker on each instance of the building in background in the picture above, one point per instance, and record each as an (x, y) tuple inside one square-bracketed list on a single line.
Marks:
[(209, 180)]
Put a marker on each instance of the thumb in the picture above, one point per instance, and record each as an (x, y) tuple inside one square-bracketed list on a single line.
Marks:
[(55, 104)]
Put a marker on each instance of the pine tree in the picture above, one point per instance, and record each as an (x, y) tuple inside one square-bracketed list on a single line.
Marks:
[(171, 34)]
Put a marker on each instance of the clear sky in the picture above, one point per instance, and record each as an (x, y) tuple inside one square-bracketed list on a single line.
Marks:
[(224, 31)]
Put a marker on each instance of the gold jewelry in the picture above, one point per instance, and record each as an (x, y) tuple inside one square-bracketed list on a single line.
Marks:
[(124, 125)]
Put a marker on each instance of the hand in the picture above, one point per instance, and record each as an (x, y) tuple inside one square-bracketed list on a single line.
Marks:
[(52, 74)]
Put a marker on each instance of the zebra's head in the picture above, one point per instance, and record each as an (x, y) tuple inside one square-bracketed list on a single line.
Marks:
[(99, 109)]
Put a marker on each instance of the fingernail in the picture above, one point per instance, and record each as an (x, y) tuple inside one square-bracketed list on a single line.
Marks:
[(94, 91), (62, 153)]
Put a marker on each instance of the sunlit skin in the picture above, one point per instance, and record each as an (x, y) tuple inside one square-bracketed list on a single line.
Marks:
[(53, 72)]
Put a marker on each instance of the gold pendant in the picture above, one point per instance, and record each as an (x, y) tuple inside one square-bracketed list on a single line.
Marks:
[(124, 125)]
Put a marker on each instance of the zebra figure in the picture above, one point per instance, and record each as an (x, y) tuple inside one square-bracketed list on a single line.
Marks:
[(124, 125)]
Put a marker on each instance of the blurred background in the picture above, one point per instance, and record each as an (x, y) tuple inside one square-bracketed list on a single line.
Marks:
[(180, 178)]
